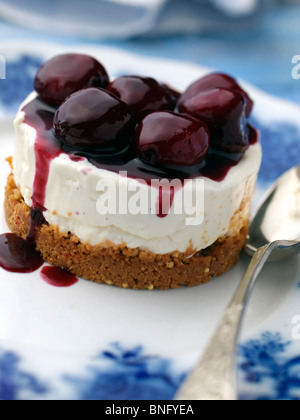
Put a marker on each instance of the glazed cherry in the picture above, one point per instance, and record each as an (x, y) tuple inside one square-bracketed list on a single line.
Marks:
[(224, 112), (213, 81), (165, 138), (94, 120), (65, 74), (143, 94)]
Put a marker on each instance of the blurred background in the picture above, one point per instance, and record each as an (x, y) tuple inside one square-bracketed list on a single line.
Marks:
[(251, 39)]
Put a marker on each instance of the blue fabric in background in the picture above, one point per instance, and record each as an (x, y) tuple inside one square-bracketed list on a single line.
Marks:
[(121, 19), (255, 42)]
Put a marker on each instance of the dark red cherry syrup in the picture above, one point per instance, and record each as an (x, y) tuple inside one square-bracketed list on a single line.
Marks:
[(36, 221), (20, 256), (17, 255), (58, 277)]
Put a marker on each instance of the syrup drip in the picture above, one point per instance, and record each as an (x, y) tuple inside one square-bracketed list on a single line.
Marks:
[(58, 277), (36, 220), (20, 256), (17, 255)]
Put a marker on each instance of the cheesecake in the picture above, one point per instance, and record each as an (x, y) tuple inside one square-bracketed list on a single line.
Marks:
[(129, 183)]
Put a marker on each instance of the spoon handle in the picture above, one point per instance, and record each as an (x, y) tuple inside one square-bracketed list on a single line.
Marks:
[(213, 377)]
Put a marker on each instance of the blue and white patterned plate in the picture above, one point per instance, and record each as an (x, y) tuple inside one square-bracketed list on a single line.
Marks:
[(98, 342)]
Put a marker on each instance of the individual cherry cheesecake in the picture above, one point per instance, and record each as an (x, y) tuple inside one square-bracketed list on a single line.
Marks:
[(129, 183)]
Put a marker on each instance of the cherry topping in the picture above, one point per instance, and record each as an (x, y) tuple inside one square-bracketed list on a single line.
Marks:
[(175, 95), (212, 81), (66, 74), (94, 119), (170, 139), (223, 111), (143, 94)]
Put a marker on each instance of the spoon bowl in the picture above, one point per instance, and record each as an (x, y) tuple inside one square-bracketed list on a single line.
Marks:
[(278, 217)]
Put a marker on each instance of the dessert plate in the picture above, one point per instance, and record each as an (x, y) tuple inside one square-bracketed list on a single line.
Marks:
[(93, 341)]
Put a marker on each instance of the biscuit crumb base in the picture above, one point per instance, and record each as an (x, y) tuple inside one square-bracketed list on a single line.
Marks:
[(119, 265)]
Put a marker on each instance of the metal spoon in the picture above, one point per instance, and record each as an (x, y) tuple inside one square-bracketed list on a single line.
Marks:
[(274, 234)]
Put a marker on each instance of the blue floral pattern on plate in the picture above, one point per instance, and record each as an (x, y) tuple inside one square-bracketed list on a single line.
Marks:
[(278, 139), (266, 360), (125, 374), (13, 379), (129, 374), (19, 82)]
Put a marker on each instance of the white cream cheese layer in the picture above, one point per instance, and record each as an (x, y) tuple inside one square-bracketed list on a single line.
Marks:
[(73, 192)]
